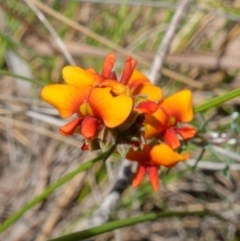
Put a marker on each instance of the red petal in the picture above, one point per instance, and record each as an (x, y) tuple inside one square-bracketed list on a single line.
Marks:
[(85, 147), (138, 176), (113, 75), (170, 137), (153, 177), (89, 127), (108, 65), (147, 107), (186, 132), (141, 156), (129, 67), (70, 127)]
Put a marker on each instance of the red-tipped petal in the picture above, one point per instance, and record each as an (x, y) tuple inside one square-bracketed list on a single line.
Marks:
[(108, 65), (70, 127), (153, 177), (186, 132), (129, 67), (147, 107), (170, 137), (89, 127), (138, 176)]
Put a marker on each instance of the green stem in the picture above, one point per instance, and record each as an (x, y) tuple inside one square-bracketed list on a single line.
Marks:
[(104, 156), (128, 222), (217, 100)]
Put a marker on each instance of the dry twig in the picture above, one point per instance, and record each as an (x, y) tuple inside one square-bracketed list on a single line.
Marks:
[(52, 31), (167, 40)]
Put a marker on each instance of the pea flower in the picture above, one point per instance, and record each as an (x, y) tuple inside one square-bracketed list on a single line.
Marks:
[(150, 158), (94, 104), (172, 111), (127, 112), (99, 100)]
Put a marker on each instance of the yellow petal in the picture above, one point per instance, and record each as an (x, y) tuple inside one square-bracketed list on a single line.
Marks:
[(179, 106), (65, 98), (117, 88), (153, 93), (138, 77), (77, 76), (155, 123), (163, 155), (140, 84), (91, 70), (114, 110)]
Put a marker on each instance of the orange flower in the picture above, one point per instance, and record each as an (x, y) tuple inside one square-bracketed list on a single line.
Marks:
[(150, 159), (93, 106), (173, 110), (111, 112), (97, 99)]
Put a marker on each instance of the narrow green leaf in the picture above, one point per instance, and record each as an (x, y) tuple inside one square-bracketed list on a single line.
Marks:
[(52, 188), (88, 233), (217, 100)]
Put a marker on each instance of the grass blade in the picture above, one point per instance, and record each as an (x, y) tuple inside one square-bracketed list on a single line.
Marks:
[(217, 100), (88, 233)]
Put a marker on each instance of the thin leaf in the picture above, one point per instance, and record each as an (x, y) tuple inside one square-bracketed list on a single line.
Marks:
[(88, 233), (217, 100)]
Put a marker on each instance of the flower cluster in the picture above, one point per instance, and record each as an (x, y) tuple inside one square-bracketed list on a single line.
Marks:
[(129, 113)]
